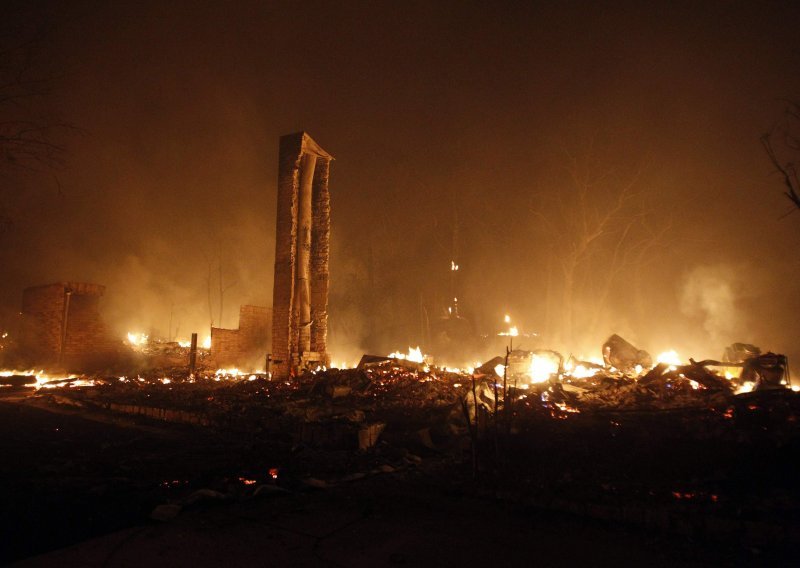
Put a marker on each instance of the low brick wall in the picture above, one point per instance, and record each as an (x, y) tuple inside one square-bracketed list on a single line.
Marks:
[(246, 346)]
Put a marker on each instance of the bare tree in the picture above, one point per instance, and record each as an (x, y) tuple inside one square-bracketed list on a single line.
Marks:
[(597, 229), (31, 136), (208, 290), (223, 286), (782, 143), (216, 271)]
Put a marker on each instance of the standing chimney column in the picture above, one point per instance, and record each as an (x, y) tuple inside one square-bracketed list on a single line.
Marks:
[(300, 288)]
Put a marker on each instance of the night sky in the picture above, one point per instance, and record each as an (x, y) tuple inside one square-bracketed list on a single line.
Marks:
[(489, 113)]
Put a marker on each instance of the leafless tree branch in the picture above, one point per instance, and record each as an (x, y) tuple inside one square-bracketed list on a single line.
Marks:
[(785, 130), (29, 135)]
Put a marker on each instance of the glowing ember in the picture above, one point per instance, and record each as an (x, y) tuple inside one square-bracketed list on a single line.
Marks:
[(566, 408)]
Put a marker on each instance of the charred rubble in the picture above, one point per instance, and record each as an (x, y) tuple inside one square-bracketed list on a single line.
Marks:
[(671, 447)]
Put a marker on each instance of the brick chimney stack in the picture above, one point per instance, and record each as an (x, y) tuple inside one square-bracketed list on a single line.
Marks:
[(300, 289)]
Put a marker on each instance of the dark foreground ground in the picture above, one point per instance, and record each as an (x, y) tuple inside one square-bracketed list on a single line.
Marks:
[(92, 481)]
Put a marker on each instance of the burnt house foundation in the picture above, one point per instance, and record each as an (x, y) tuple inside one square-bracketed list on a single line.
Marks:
[(300, 290), (61, 325)]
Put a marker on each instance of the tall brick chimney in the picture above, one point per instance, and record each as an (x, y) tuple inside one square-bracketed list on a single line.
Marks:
[(300, 289)]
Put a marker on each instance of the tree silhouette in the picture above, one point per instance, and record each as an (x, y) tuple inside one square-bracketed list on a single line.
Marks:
[(781, 144)]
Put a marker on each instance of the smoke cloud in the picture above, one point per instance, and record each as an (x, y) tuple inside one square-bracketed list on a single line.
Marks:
[(710, 293), (433, 112)]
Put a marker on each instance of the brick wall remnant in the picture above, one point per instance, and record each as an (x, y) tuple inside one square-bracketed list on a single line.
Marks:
[(300, 289), (61, 324), (247, 346)]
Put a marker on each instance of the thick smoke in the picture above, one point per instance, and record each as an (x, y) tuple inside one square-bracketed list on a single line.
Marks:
[(710, 294)]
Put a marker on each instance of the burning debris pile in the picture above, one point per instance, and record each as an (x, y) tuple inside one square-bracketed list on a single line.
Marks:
[(626, 379), (403, 395)]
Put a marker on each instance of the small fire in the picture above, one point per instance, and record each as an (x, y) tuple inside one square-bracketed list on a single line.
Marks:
[(230, 373), (137, 339), (207, 342), (583, 372), (541, 369), (513, 331), (670, 358), (414, 355), (43, 380)]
